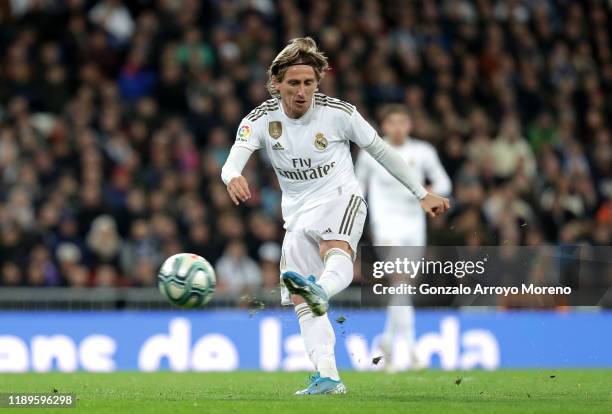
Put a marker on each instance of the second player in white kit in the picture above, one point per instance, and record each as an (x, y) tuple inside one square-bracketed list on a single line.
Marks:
[(396, 217), (307, 138)]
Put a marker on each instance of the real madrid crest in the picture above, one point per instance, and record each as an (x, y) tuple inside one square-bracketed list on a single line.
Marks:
[(320, 142), (275, 129)]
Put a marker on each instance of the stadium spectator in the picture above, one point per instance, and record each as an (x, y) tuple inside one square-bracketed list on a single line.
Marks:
[(103, 241), (237, 273), (126, 110)]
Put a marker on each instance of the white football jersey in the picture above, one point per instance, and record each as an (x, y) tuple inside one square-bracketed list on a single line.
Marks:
[(310, 155), (396, 216)]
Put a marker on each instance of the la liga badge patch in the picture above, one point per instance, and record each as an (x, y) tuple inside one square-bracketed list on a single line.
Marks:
[(244, 132)]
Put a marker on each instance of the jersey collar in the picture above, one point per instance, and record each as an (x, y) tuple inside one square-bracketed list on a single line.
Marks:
[(304, 119)]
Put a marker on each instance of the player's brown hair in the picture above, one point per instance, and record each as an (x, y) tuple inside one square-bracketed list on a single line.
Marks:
[(391, 109), (299, 51)]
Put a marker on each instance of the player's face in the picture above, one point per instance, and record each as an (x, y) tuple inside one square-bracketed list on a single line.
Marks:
[(396, 127), (297, 89)]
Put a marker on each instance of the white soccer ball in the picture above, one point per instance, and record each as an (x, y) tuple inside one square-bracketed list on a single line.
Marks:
[(186, 280)]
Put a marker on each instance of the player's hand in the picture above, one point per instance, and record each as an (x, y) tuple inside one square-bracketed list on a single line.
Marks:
[(238, 189), (434, 205)]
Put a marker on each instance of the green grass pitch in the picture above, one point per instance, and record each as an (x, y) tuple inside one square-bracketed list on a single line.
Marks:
[(534, 391)]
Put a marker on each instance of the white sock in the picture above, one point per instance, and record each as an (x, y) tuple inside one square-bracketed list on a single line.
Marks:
[(386, 342), (319, 341), (404, 328), (338, 272), (400, 323)]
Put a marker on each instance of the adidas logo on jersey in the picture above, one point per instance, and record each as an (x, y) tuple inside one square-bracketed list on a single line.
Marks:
[(278, 147), (327, 231)]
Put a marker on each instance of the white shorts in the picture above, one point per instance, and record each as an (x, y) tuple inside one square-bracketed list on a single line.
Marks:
[(341, 218)]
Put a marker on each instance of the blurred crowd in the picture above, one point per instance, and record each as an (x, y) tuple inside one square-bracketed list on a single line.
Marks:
[(116, 116)]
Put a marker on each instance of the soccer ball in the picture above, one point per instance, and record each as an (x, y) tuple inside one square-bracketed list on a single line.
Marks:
[(186, 280)]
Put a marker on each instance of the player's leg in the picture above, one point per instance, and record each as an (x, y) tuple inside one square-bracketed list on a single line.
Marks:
[(387, 340), (319, 339), (400, 311), (337, 258), (337, 276), (399, 324), (405, 317), (317, 331), (301, 254), (319, 342), (337, 226), (337, 231), (384, 251), (338, 247)]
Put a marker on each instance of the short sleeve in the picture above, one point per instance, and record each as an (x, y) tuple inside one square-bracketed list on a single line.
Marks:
[(360, 130), (247, 135)]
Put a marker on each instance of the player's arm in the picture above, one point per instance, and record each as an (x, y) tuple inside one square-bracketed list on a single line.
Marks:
[(231, 174), (440, 181), (366, 137), (247, 141)]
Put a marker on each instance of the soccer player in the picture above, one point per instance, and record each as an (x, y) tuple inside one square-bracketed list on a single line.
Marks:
[(307, 136), (396, 217)]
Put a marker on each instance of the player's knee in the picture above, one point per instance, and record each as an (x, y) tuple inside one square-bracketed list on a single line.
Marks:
[(325, 245)]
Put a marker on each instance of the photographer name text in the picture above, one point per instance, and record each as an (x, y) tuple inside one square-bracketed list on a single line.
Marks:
[(478, 289)]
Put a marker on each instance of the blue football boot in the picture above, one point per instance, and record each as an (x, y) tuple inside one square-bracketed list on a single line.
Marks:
[(313, 293), (323, 385)]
